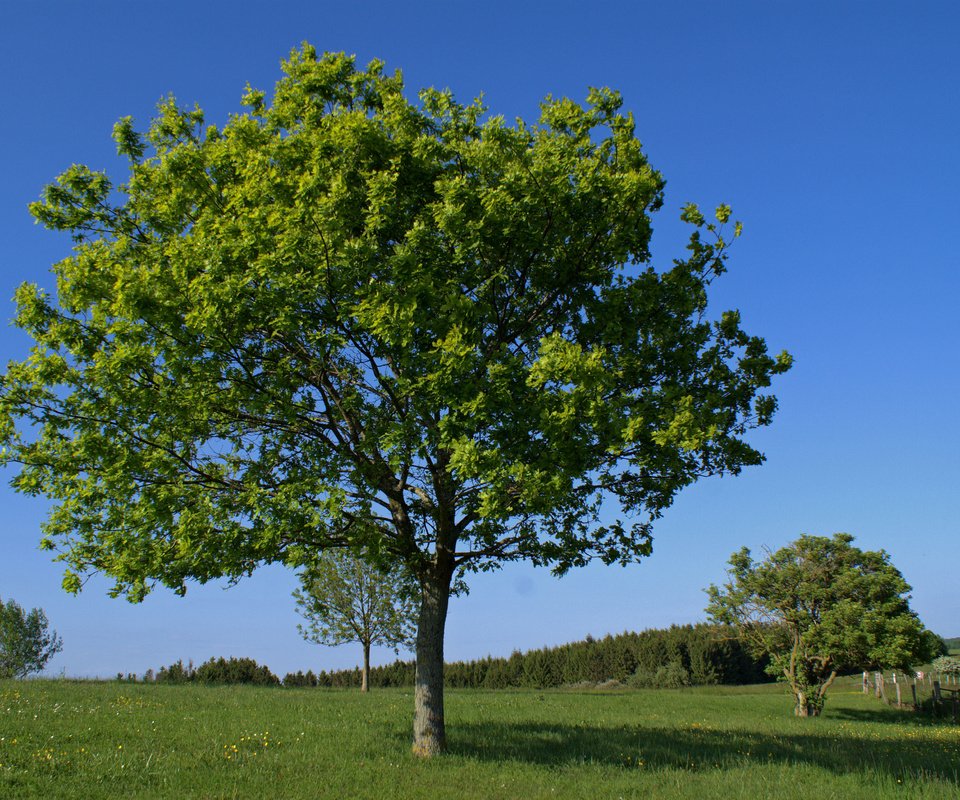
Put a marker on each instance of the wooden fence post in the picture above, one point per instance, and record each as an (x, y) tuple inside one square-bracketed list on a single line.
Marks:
[(899, 699), (936, 693), (866, 682), (913, 688)]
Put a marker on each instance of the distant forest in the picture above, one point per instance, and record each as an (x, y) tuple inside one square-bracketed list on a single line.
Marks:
[(682, 655)]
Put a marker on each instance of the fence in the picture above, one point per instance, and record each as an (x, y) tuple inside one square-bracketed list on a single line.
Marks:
[(910, 691)]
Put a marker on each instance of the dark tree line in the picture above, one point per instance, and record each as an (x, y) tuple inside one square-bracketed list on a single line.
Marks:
[(679, 655), (682, 655)]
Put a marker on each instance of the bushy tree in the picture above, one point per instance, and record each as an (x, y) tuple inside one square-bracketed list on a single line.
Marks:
[(224, 671), (820, 607), (350, 319), (936, 645), (26, 643), (947, 664), (344, 598), (229, 671)]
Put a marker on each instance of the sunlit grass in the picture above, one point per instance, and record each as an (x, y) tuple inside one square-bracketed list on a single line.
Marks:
[(60, 739)]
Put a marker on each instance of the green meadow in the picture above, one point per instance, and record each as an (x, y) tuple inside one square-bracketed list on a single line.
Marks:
[(64, 739)]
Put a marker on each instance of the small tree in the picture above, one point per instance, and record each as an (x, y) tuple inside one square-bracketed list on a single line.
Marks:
[(820, 607), (947, 664), (25, 643), (345, 599)]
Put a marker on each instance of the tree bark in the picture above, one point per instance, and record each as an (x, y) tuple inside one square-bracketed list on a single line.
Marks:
[(802, 708), (365, 677), (807, 706), (429, 733)]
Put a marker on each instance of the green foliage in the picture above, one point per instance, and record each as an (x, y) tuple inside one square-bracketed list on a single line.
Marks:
[(300, 679), (175, 673), (26, 644), (344, 599), (947, 664), (820, 607), (698, 655), (935, 645), (669, 676), (344, 306), (234, 671), (345, 319), (219, 671), (672, 676)]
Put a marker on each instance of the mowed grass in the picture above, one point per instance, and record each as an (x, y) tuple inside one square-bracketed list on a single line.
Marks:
[(61, 739)]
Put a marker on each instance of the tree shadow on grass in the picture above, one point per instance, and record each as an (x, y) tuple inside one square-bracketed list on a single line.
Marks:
[(924, 718), (699, 748)]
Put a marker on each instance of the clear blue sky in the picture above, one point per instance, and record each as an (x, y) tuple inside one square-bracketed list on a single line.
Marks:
[(833, 129)]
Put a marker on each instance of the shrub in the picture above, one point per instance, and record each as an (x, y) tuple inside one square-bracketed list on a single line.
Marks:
[(219, 671), (672, 675), (234, 671), (947, 664)]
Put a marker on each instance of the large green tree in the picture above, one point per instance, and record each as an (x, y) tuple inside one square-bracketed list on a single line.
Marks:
[(344, 598), (345, 318), (819, 608)]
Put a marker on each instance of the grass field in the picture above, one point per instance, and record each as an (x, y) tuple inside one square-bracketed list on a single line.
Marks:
[(61, 740)]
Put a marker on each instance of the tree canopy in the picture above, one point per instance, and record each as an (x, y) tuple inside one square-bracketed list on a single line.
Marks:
[(343, 598), (26, 643), (349, 319), (819, 608)]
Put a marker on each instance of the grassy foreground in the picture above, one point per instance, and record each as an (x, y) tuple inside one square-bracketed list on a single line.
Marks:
[(60, 739)]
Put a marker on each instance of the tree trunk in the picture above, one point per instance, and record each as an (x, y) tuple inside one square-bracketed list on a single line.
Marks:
[(365, 677), (429, 734), (802, 708), (807, 706)]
